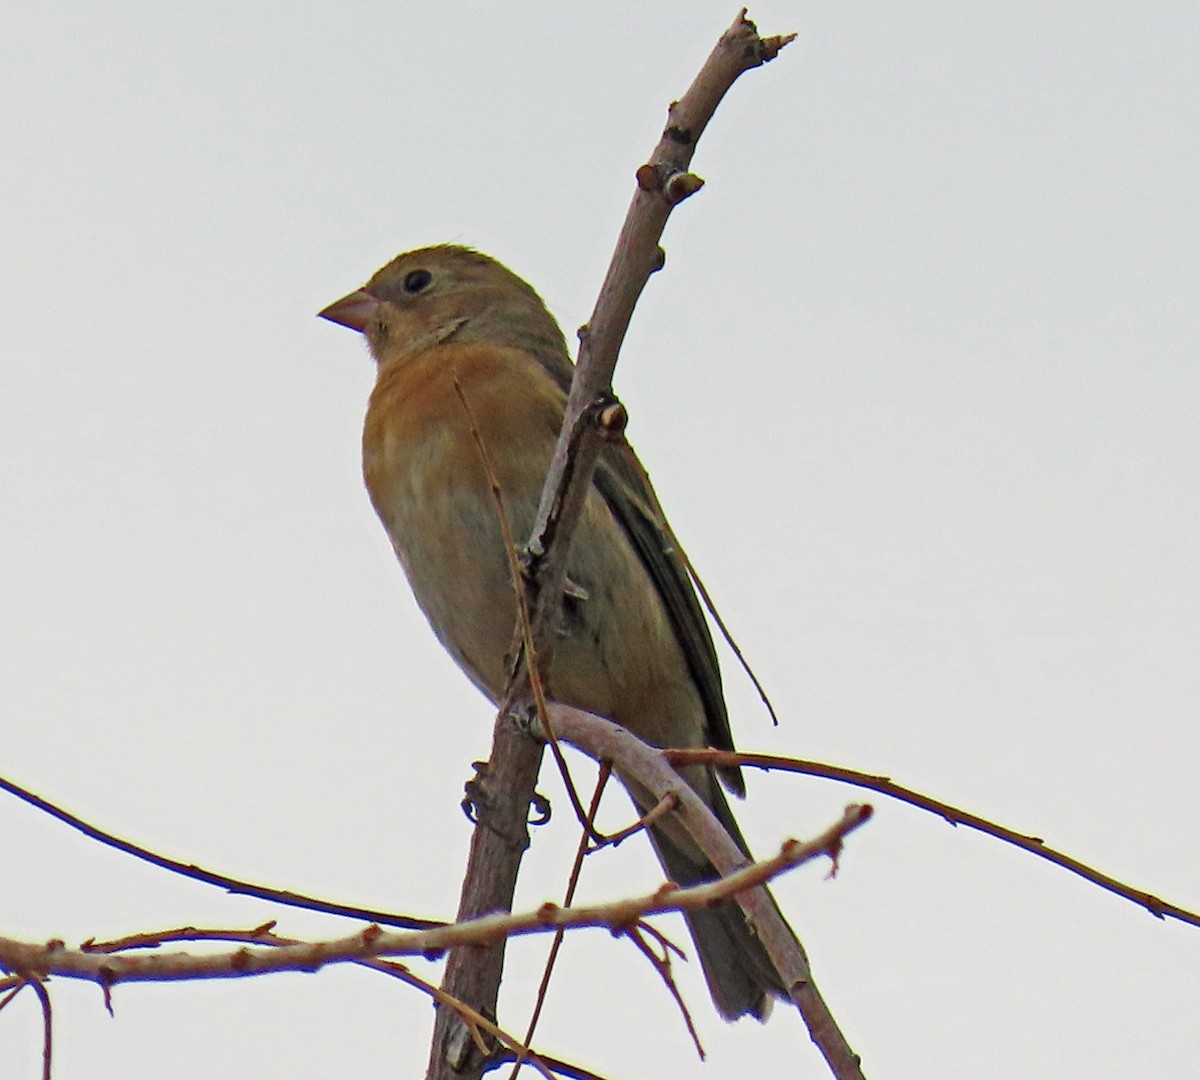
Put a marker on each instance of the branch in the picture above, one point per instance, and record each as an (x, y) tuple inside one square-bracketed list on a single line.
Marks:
[(1035, 845), (14, 986), (479, 1026), (211, 877), (663, 182), (503, 790), (572, 882), (630, 757), (264, 954)]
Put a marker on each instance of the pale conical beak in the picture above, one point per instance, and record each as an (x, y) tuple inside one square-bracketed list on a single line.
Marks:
[(353, 311)]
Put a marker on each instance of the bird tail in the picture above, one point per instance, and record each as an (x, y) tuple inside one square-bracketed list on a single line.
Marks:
[(740, 975)]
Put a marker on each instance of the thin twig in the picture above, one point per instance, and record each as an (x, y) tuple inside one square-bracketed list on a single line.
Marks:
[(662, 964), (155, 939), (39, 988), (565, 1069), (660, 809), (573, 881), (1035, 845), (211, 877), (518, 583), (477, 1020)]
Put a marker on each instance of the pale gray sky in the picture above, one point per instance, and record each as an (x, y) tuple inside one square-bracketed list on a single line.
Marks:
[(918, 387)]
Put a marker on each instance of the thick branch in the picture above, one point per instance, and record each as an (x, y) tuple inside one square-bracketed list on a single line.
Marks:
[(501, 836)]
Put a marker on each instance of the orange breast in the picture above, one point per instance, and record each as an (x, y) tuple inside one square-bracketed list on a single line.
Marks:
[(427, 481)]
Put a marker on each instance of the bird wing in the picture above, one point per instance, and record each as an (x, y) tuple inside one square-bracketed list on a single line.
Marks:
[(625, 487)]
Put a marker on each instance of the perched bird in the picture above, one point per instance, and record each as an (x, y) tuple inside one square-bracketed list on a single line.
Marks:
[(636, 647)]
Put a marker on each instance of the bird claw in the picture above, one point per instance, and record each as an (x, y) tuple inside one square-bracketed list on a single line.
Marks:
[(541, 809), (475, 801)]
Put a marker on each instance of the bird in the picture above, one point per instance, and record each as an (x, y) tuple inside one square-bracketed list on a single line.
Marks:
[(466, 348)]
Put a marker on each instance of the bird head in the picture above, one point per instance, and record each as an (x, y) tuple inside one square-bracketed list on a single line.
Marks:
[(425, 297)]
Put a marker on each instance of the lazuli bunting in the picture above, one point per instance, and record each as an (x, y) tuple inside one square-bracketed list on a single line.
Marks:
[(635, 646)]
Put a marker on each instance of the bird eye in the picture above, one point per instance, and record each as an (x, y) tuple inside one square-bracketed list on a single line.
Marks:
[(416, 280)]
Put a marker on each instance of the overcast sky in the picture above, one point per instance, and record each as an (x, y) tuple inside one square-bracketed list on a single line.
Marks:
[(918, 387)]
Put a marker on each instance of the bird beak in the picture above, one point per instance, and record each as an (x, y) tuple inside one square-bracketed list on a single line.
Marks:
[(353, 311)]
